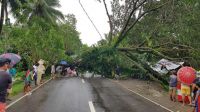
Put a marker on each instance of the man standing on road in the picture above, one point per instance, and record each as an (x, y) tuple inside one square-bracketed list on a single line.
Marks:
[(53, 71), (117, 72), (5, 82)]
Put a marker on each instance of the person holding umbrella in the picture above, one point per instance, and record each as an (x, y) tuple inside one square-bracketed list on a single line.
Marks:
[(5, 82), (186, 75)]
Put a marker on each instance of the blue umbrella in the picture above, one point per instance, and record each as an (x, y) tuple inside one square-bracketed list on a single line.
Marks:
[(63, 62)]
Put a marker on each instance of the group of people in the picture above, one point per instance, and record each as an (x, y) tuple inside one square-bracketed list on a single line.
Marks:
[(64, 70), (33, 74), (7, 75), (192, 92)]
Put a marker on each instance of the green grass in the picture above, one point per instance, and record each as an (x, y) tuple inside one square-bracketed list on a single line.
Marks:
[(46, 77), (17, 87)]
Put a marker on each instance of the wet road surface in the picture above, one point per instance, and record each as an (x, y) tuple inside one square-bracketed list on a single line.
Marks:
[(77, 95)]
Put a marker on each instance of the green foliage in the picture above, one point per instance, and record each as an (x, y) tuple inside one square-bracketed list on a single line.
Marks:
[(171, 31), (45, 9), (17, 87), (42, 40)]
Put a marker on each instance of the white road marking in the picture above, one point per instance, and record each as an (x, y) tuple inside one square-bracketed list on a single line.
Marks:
[(16, 101), (41, 85), (91, 106), (144, 97), (83, 81), (11, 104)]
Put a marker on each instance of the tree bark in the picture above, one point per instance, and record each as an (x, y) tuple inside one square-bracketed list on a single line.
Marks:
[(6, 13), (2, 15), (147, 69)]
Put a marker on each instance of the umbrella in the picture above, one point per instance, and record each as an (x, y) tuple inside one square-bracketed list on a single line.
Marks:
[(186, 75), (13, 57), (63, 62)]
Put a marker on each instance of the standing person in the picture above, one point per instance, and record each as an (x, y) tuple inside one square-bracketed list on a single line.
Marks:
[(27, 81), (40, 71), (12, 73), (197, 98), (185, 88), (194, 87), (185, 91), (53, 71), (59, 70), (35, 74), (117, 72), (172, 85), (5, 82)]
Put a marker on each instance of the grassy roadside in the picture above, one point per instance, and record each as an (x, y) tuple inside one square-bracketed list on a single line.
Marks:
[(18, 86)]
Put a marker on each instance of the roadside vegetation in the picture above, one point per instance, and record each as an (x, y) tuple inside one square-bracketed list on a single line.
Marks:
[(40, 31), (141, 33)]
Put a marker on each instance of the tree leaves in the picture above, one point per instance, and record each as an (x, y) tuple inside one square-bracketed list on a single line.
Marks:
[(42, 40)]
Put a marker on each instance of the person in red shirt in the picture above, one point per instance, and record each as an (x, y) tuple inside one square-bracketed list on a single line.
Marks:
[(5, 82)]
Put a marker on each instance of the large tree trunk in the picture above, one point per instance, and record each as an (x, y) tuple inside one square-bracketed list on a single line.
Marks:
[(147, 69), (6, 12), (2, 14)]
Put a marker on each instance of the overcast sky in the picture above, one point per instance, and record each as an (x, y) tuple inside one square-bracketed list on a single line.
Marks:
[(97, 13)]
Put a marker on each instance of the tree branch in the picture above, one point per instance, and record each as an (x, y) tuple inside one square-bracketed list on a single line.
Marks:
[(140, 45), (152, 51), (147, 69), (177, 45), (154, 32), (123, 35), (110, 22), (130, 15)]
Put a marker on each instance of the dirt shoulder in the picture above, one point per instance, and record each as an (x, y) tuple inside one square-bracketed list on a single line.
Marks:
[(155, 92)]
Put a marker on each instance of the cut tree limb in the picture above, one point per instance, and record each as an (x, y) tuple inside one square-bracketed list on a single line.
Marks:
[(147, 69), (152, 51)]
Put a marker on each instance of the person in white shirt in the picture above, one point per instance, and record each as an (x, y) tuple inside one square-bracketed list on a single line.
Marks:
[(53, 71), (40, 71)]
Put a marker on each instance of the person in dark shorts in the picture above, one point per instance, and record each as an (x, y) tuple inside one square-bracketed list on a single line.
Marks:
[(5, 82), (172, 85), (27, 81)]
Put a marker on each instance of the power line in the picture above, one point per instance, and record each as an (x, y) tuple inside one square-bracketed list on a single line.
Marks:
[(90, 19)]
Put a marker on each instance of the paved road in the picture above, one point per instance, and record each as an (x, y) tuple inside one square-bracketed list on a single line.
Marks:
[(76, 95)]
